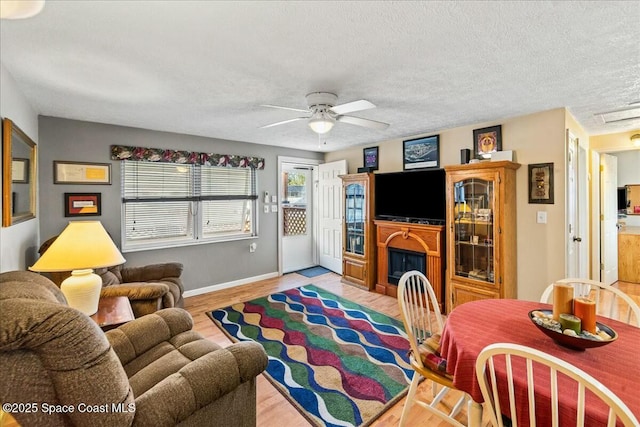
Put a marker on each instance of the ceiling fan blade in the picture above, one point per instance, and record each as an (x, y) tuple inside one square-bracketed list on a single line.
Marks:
[(371, 124), (350, 107), (284, 108), (283, 122)]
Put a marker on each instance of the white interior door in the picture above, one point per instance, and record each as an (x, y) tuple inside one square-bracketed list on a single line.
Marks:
[(573, 237), (330, 214), (297, 219), (577, 212), (583, 212), (609, 219)]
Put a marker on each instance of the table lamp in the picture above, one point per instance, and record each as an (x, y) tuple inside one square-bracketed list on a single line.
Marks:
[(81, 247)]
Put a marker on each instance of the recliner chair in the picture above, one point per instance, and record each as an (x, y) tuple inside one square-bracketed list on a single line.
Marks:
[(152, 371), (149, 288)]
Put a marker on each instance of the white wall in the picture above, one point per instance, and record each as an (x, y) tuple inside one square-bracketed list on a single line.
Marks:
[(629, 173), (628, 167), (18, 243)]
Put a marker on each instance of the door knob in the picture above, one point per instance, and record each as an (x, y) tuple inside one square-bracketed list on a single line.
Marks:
[(577, 239)]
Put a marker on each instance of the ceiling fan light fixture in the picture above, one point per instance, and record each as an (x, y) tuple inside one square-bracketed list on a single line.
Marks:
[(20, 9), (321, 123)]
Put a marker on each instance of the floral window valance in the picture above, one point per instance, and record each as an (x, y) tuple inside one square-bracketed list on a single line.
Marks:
[(144, 154)]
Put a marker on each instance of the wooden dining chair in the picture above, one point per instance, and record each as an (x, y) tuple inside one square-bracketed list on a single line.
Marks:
[(505, 355), (423, 323), (611, 302)]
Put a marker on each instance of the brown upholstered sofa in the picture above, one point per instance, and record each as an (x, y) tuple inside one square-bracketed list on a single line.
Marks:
[(153, 371)]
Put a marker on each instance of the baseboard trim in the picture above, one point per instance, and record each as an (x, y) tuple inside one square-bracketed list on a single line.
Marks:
[(227, 285)]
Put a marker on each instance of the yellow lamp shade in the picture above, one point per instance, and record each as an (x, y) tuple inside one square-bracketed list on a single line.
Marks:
[(83, 244)]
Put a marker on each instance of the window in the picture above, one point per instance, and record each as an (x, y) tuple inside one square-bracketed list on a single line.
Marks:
[(168, 204)]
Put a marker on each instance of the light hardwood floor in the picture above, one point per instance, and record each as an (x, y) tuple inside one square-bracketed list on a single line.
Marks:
[(273, 408)]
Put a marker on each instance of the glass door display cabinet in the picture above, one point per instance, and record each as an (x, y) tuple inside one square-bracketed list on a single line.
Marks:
[(481, 229), (358, 257), (473, 228)]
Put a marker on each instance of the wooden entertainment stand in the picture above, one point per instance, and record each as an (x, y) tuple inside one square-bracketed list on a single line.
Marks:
[(427, 239)]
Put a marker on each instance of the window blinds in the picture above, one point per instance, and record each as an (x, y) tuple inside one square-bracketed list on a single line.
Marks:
[(168, 202)]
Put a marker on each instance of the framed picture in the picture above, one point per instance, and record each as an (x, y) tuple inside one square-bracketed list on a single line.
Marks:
[(82, 204), (541, 183), (421, 153), (487, 141), (370, 157), (81, 173), (20, 171)]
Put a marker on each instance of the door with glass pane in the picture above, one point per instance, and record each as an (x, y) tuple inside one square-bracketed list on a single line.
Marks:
[(358, 257), (481, 225), (474, 231), (354, 218), (297, 239)]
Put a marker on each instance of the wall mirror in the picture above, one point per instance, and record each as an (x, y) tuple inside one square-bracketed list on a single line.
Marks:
[(19, 182), (633, 199)]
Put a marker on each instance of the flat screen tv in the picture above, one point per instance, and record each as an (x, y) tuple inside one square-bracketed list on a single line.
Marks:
[(411, 196)]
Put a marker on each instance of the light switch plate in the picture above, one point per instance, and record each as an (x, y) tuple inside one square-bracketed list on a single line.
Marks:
[(266, 208), (541, 217)]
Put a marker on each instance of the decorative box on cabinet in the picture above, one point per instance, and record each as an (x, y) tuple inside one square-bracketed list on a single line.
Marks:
[(358, 245), (481, 232)]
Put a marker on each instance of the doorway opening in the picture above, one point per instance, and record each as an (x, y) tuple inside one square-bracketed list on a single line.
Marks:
[(602, 198), (297, 221)]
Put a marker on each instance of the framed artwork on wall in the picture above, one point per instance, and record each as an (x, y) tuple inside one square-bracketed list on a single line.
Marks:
[(81, 173), (487, 141), (541, 183), (370, 158), (82, 204), (421, 153)]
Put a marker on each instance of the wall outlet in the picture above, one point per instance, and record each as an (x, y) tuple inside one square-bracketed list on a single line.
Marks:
[(274, 208), (274, 199)]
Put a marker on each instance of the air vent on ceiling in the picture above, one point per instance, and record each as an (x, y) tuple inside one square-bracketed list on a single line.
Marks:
[(620, 115)]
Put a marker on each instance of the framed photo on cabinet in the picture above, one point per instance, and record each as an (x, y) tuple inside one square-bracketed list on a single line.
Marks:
[(487, 141)]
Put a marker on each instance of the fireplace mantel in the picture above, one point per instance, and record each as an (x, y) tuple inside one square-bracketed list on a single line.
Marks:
[(428, 239)]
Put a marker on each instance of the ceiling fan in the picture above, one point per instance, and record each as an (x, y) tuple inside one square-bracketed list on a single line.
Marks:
[(324, 113)]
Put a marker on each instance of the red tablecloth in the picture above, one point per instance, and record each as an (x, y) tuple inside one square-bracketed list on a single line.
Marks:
[(472, 326)]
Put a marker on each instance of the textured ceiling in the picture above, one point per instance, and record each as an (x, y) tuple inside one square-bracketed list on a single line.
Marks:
[(205, 67)]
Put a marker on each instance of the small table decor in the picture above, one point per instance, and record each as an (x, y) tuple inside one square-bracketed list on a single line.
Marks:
[(543, 319)]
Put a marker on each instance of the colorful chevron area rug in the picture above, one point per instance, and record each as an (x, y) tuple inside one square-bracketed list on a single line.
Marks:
[(339, 363)]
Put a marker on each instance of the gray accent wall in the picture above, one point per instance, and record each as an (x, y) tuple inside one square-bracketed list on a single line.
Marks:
[(204, 264)]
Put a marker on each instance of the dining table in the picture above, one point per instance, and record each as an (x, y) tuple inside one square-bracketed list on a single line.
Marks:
[(471, 326)]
